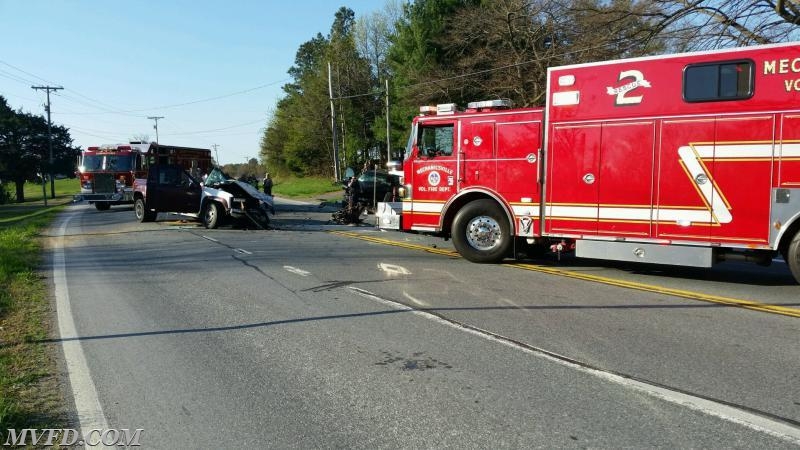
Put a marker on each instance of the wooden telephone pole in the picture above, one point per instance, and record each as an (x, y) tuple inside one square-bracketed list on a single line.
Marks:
[(49, 143)]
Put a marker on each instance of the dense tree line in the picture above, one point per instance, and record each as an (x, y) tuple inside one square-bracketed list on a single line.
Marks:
[(441, 51), (24, 150)]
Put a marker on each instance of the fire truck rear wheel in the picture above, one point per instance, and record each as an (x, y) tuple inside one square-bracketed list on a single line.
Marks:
[(792, 256), (142, 213), (102, 206), (211, 215), (481, 232)]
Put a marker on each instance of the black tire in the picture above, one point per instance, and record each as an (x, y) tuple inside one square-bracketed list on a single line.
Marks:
[(211, 215), (481, 232), (102, 206), (142, 213), (792, 256)]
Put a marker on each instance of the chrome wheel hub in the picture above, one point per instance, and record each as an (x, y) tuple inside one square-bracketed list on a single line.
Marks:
[(483, 233)]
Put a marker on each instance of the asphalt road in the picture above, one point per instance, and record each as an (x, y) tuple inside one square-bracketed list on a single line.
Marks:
[(299, 337)]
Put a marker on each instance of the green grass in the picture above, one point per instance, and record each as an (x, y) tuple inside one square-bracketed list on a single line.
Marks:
[(33, 191), (304, 187), (16, 212), (30, 396)]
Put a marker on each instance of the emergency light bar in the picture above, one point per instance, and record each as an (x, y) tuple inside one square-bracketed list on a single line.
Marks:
[(440, 109), (494, 104), (446, 108), (427, 110)]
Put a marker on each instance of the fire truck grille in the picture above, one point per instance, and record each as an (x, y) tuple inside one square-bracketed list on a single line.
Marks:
[(104, 182)]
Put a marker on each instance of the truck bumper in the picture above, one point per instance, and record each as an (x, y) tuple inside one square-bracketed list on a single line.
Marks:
[(125, 196), (389, 215)]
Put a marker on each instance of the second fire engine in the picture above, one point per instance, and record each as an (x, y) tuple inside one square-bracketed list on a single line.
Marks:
[(685, 159)]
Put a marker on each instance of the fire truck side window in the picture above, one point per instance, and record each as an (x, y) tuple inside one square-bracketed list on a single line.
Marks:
[(732, 80), (436, 140)]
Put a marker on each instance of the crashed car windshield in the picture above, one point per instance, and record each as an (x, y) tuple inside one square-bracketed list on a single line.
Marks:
[(216, 177)]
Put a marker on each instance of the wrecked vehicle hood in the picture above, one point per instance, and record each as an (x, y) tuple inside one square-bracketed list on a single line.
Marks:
[(217, 184)]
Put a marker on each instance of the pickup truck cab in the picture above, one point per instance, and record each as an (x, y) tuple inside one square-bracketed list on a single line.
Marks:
[(169, 188)]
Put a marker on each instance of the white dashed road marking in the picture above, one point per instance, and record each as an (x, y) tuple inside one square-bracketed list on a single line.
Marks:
[(297, 271)]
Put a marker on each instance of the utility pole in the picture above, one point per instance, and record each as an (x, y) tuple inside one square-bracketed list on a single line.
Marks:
[(333, 128), (388, 136), (216, 155), (49, 142), (156, 125)]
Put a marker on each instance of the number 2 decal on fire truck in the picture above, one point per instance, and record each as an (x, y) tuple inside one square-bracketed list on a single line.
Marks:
[(637, 81)]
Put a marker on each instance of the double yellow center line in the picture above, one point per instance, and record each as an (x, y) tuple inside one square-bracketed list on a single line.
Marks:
[(729, 301)]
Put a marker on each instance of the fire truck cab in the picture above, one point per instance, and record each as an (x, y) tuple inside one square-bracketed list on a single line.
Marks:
[(685, 159)]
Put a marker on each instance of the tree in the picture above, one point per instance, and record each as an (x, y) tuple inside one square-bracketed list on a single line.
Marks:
[(24, 145), (708, 24), (373, 37), (298, 137)]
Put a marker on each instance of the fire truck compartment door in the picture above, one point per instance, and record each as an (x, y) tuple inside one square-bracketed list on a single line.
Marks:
[(625, 179), (572, 170), (478, 155)]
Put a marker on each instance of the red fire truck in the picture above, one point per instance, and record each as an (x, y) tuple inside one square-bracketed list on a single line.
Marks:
[(106, 173), (685, 159)]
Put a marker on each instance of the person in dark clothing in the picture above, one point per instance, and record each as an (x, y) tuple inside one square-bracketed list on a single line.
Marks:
[(267, 184)]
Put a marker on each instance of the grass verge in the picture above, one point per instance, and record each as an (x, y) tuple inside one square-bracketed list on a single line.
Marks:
[(30, 393), (307, 187)]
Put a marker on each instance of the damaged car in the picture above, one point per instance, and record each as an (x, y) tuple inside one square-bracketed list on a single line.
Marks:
[(218, 199)]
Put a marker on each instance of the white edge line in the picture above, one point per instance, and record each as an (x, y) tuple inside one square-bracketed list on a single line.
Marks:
[(209, 238), (753, 421), (87, 404), (241, 250)]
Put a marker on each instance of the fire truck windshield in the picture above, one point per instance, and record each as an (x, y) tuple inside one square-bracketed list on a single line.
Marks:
[(410, 143), (121, 163)]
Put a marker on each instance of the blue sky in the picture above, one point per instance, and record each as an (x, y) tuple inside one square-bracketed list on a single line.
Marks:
[(122, 61)]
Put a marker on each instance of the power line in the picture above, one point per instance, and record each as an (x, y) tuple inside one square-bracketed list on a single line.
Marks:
[(26, 73), (113, 110), (216, 129), (14, 77)]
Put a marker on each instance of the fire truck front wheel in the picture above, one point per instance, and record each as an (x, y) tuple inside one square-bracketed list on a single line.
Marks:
[(481, 232), (142, 213), (792, 256)]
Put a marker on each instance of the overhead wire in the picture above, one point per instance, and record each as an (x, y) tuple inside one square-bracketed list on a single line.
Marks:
[(216, 129)]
